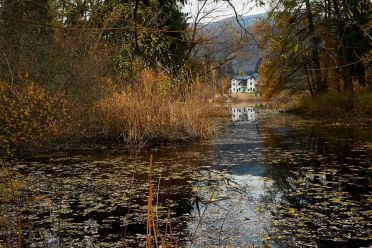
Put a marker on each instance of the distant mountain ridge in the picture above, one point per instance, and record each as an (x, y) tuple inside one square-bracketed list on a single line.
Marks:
[(244, 20), (246, 63)]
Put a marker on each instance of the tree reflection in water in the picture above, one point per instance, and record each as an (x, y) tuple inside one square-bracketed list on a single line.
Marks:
[(322, 175), (295, 181)]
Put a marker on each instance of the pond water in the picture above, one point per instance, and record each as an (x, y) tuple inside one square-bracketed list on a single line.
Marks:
[(268, 177)]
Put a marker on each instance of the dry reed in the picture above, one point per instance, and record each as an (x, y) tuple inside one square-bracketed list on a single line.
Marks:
[(155, 110), (153, 234)]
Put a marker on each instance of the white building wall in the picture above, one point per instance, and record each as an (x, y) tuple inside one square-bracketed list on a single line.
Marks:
[(236, 86)]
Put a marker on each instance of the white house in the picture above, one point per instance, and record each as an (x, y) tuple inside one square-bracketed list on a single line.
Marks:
[(246, 84)]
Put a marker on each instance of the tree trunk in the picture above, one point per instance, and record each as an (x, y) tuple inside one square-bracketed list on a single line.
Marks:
[(347, 70), (315, 58), (343, 56)]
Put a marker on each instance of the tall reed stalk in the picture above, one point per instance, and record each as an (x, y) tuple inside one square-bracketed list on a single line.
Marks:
[(153, 234)]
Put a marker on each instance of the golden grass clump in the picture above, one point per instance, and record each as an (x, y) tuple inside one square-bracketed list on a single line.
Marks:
[(154, 110)]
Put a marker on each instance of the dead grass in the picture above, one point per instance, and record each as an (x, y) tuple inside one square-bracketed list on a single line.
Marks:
[(287, 101), (154, 238), (338, 105), (154, 110), (330, 104)]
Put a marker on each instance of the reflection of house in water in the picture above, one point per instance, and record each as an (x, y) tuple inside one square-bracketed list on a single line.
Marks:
[(243, 114)]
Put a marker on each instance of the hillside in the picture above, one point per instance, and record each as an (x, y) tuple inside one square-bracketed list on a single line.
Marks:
[(231, 21), (247, 58)]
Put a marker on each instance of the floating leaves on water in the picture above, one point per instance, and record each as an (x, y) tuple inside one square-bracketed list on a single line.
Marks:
[(312, 184)]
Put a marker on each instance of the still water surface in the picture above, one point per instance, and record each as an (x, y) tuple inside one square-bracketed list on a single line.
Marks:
[(268, 176)]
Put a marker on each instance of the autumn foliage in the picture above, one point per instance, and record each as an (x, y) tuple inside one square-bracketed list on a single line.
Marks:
[(316, 47), (29, 114)]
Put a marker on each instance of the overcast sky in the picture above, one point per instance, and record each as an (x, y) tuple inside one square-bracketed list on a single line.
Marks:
[(221, 10)]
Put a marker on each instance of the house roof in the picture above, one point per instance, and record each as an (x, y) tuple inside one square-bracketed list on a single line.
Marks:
[(243, 77), (240, 77)]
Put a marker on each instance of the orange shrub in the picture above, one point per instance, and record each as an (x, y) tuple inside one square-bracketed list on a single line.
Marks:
[(29, 114)]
